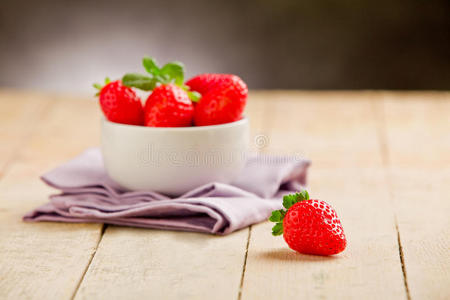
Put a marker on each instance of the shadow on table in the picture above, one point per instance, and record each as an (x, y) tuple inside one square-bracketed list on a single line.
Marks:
[(284, 254)]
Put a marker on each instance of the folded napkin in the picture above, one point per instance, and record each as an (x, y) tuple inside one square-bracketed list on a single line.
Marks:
[(89, 195)]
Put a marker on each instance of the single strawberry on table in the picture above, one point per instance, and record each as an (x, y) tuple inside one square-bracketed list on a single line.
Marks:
[(119, 103), (223, 98), (170, 103), (309, 226)]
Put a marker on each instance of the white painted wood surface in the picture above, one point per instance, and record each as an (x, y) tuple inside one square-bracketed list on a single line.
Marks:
[(44, 260), (339, 134), (380, 158), (418, 157)]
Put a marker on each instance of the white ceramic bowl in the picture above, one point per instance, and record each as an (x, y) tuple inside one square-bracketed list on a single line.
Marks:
[(173, 160)]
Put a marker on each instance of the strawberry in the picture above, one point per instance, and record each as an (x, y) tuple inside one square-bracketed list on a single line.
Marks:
[(170, 103), (205, 82), (223, 98), (309, 226), (168, 106), (120, 104)]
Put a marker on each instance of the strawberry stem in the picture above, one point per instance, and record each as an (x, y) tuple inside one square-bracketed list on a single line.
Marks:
[(172, 72), (99, 87), (278, 215)]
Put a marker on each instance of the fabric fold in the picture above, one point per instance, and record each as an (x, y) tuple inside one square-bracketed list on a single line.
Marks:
[(87, 194)]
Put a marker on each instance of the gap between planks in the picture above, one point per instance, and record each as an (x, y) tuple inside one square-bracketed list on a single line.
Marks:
[(28, 132), (265, 126), (102, 232), (402, 260), (384, 150), (245, 262)]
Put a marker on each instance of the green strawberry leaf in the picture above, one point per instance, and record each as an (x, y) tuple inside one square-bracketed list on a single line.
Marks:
[(289, 200), (304, 195), (139, 81), (276, 216), (173, 72), (150, 65), (277, 229), (194, 96), (98, 86)]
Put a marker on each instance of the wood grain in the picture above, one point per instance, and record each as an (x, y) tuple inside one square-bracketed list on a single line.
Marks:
[(381, 159), (43, 260), (19, 112), (418, 157), (339, 133), (153, 264)]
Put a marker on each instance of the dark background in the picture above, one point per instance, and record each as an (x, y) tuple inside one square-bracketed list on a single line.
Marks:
[(286, 44)]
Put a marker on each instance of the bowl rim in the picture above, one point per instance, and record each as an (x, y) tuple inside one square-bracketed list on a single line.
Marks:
[(242, 121)]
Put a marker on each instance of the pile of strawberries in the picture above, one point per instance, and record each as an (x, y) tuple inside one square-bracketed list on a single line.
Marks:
[(206, 99)]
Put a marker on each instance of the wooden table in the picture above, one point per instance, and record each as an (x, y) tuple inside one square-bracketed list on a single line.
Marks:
[(382, 159)]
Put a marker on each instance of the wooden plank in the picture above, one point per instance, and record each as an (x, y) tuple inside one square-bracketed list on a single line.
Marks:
[(418, 147), (19, 113), (153, 264), (47, 260), (257, 115), (44, 260), (323, 126), (338, 131), (137, 263)]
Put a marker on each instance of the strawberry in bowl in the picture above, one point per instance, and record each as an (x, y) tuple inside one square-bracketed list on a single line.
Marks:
[(223, 98), (120, 103), (182, 136), (218, 98)]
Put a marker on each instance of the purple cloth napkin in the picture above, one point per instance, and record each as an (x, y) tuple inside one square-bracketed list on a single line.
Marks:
[(88, 195)]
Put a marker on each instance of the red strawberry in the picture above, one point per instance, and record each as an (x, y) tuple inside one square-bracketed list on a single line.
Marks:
[(170, 103), (223, 98), (205, 82), (120, 104), (168, 106), (309, 226)]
